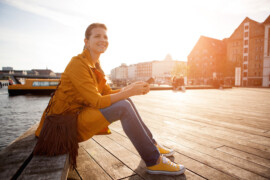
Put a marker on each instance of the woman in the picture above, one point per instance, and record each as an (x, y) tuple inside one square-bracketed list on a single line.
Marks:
[(83, 85)]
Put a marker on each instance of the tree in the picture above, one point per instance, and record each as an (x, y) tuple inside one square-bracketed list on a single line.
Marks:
[(179, 69)]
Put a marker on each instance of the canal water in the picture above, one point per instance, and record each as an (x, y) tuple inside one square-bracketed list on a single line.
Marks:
[(17, 114)]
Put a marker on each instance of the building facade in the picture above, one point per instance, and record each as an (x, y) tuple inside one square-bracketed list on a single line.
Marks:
[(161, 71), (241, 60), (206, 61)]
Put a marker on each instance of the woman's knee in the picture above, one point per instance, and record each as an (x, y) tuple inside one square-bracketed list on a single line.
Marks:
[(124, 104)]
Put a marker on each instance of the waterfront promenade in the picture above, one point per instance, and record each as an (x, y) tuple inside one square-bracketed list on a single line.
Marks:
[(217, 134)]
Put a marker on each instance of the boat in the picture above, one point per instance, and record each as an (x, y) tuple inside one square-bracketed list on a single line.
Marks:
[(34, 86)]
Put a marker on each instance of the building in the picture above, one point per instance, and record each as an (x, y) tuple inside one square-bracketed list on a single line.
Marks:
[(44, 72), (206, 61), (119, 75), (243, 59), (245, 52), (7, 68), (164, 70), (132, 69), (266, 53), (144, 71), (161, 71)]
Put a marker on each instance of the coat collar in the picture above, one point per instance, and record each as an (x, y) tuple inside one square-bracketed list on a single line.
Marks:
[(86, 54)]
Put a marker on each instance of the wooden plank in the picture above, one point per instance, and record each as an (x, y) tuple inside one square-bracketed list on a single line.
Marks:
[(73, 175), (180, 139), (13, 157), (244, 155), (202, 132), (193, 166), (212, 161), (115, 168), (225, 167), (199, 102), (134, 177), (88, 168), (165, 111), (136, 163), (244, 164), (44, 167)]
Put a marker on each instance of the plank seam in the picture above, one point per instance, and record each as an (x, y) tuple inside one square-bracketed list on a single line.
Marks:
[(23, 166), (219, 160), (241, 157), (130, 176), (220, 147), (137, 155), (96, 161), (78, 173), (118, 158)]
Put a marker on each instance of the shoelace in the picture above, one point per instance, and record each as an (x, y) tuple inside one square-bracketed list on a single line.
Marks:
[(167, 161)]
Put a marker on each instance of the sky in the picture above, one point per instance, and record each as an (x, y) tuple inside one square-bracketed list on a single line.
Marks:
[(40, 34)]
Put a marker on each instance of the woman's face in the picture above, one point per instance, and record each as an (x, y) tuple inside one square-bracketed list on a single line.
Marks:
[(98, 41)]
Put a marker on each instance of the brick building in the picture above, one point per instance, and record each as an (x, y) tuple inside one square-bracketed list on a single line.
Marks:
[(246, 51), (207, 61)]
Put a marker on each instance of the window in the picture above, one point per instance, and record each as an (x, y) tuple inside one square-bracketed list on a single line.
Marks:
[(245, 66), (246, 42), (245, 50), (255, 73), (44, 83), (246, 27), (246, 34), (245, 58), (245, 74)]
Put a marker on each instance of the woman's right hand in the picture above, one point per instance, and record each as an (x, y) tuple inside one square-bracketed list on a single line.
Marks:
[(138, 88)]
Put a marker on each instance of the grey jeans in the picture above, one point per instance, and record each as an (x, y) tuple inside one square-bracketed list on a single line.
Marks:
[(135, 129)]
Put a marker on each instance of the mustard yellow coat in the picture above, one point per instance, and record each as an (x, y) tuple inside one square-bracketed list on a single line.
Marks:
[(80, 87)]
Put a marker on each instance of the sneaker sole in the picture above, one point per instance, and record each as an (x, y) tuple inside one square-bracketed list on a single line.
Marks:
[(168, 154), (167, 172)]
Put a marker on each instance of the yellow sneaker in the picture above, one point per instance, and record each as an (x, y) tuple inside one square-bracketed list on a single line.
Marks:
[(166, 167), (165, 151)]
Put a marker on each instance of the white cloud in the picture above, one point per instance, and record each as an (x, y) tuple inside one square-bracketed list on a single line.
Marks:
[(42, 9)]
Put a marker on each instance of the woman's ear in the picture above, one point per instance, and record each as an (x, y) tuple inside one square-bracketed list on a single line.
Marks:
[(85, 42)]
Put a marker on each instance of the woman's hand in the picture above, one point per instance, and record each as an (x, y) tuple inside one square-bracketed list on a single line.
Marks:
[(137, 88)]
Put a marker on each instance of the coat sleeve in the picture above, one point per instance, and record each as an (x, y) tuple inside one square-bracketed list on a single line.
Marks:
[(108, 90), (80, 76)]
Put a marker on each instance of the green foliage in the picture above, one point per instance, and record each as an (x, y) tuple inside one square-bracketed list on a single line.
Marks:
[(179, 69)]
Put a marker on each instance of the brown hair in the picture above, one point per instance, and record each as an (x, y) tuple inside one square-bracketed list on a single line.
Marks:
[(92, 26), (88, 32)]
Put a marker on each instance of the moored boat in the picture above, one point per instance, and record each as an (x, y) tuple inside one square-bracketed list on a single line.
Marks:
[(34, 86)]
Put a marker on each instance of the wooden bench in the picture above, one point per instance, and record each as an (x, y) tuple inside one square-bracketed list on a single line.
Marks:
[(17, 161)]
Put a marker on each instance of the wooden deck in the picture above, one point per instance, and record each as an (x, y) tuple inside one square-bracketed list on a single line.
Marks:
[(217, 134)]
